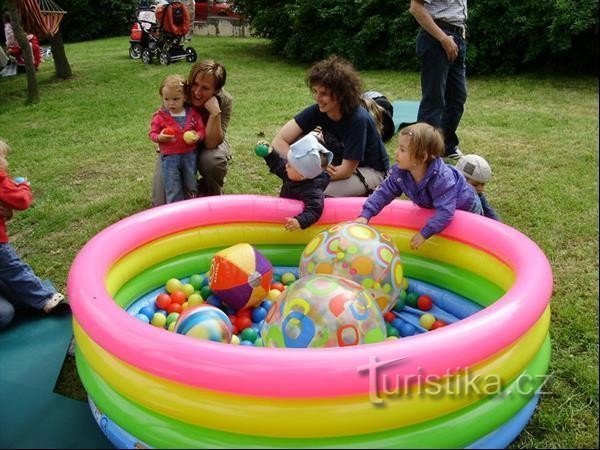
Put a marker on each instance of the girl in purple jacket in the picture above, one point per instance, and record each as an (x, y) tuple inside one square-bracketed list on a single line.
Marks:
[(422, 175)]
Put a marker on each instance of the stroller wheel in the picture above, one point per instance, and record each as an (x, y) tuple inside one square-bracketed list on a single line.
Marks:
[(163, 58), (146, 56), (135, 51), (191, 55)]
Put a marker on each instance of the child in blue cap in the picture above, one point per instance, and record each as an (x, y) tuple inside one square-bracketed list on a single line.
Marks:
[(304, 177)]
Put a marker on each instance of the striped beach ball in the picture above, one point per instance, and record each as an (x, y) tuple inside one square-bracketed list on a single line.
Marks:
[(205, 322)]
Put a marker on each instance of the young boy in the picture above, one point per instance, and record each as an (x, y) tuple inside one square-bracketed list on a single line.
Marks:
[(304, 177), (477, 171), (15, 275)]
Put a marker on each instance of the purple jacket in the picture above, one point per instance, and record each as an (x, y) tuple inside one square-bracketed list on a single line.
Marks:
[(444, 189)]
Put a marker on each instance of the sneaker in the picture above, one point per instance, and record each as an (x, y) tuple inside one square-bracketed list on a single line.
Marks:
[(455, 155), (56, 299)]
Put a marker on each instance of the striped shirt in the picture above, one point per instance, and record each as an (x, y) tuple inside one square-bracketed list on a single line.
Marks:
[(453, 12)]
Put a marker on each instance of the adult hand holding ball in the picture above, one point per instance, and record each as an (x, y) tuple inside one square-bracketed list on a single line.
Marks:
[(190, 137), (262, 149)]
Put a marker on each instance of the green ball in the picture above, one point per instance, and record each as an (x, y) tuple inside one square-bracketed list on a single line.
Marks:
[(391, 331), (400, 301), (261, 150), (249, 334), (411, 299), (205, 291), (197, 281), (288, 278)]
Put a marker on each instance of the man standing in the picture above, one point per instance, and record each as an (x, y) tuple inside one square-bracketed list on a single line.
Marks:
[(442, 48)]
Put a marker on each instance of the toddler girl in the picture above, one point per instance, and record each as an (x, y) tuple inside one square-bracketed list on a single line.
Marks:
[(422, 175), (177, 129)]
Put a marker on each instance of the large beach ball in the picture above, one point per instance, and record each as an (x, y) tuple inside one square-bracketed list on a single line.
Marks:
[(360, 253), (323, 311), (240, 276), (205, 322)]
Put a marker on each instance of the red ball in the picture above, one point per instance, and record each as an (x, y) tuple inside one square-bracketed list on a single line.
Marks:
[(277, 285), (243, 322), (437, 324), (163, 301), (174, 307), (178, 297), (424, 303), (389, 316), (170, 131)]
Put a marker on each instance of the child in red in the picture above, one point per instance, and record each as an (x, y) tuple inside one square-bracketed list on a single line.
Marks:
[(177, 129), (19, 285)]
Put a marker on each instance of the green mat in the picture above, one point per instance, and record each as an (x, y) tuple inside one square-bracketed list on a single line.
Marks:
[(405, 112), (32, 352)]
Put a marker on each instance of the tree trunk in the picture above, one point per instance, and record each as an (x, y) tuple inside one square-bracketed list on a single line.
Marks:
[(61, 63), (33, 94)]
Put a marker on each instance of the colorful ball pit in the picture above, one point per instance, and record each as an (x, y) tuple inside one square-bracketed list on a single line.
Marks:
[(458, 386)]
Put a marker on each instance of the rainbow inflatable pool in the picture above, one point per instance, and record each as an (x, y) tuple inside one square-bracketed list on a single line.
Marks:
[(473, 383)]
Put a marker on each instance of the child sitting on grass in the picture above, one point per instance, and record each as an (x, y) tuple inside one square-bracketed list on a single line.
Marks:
[(17, 276), (478, 172), (422, 175), (177, 129), (304, 177)]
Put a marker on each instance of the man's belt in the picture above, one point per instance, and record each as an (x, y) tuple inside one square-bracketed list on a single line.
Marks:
[(449, 27)]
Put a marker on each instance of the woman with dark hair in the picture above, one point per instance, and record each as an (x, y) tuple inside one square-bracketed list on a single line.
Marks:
[(205, 92), (360, 159)]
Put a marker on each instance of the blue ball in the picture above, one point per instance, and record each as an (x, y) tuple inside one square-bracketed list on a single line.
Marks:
[(244, 342), (406, 329), (148, 311), (205, 322), (266, 304), (143, 318), (258, 314)]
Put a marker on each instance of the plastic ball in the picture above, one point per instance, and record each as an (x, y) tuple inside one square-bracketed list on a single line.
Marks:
[(437, 324), (148, 311), (411, 299), (195, 299), (427, 320), (174, 308), (424, 302), (235, 340), (274, 294), (188, 289), (241, 276), (163, 300), (143, 317), (205, 322), (178, 297), (249, 334), (259, 313), (288, 278), (197, 281), (173, 284), (261, 150), (20, 180), (159, 320), (172, 317), (323, 311), (359, 253)]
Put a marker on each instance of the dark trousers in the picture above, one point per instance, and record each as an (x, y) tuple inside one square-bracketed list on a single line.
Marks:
[(443, 86)]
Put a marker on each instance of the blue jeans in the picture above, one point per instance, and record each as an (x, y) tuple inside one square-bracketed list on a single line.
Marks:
[(179, 173), (443, 86), (19, 277)]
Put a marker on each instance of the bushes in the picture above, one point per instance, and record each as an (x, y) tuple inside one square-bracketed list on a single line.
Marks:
[(504, 36), (94, 19)]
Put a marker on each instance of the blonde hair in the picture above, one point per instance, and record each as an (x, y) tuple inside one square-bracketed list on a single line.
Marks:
[(375, 110), (176, 82), (4, 148), (3, 164), (426, 142)]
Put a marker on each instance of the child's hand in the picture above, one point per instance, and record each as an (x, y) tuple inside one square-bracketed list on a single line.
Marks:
[(292, 224), (166, 135), (416, 241), (262, 148), (361, 220)]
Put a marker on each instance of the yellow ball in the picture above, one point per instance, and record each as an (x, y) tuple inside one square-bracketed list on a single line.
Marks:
[(190, 137), (427, 320)]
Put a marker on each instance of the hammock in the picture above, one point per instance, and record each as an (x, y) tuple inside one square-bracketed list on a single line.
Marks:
[(40, 17)]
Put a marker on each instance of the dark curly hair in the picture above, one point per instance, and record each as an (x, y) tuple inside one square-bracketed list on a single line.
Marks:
[(338, 76)]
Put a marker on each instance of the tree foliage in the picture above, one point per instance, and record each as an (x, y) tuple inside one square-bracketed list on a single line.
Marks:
[(503, 35), (93, 19)]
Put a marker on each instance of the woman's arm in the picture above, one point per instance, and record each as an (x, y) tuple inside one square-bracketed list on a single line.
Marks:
[(285, 137), (343, 171), (213, 127)]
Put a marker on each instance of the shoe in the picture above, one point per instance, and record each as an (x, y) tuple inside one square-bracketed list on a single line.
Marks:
[(455, 155), (56, 299)]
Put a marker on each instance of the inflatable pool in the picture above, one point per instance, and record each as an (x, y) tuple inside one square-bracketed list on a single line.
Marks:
[(472, 383)]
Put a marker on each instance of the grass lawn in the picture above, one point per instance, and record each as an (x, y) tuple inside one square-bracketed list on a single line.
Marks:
[(85, 149)]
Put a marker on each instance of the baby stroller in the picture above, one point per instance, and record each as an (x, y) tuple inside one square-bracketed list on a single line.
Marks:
[(160, 32)]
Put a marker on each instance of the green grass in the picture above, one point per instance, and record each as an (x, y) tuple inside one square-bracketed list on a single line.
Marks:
[(85, 149)]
